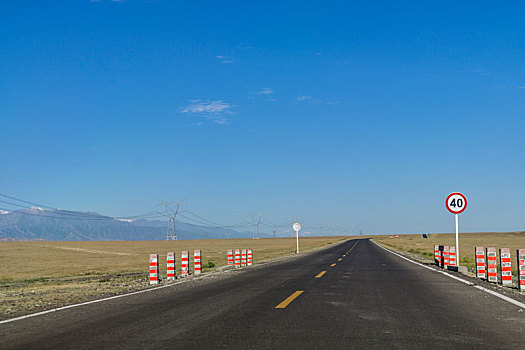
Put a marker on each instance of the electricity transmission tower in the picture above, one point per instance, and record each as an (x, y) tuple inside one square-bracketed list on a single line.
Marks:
[(171, 233), (255, 223)]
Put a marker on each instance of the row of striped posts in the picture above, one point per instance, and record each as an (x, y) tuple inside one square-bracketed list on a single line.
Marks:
[(243, 257), (487, 263), (154, 276)]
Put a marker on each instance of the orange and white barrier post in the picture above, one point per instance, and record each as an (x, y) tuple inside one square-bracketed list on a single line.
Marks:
[(492, 266), (170, 266), (184, 264), (521, 269), (504, 262), (153, 269), (436, 255), (452, 255), (479, 252), (446, 256), (230, 257), (249, 261), (237, 258), (243, 257), (197, 262)]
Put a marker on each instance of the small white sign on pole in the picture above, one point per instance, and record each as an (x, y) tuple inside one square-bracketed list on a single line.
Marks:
[(297, 227), (456, 203)]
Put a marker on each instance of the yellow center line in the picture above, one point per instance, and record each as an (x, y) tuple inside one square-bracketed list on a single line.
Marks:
[(333, 264), (339, 259), (289, 300), (320, 274)]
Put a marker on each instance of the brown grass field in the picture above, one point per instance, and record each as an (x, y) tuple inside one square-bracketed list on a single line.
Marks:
[(36, 276), (415, 244)]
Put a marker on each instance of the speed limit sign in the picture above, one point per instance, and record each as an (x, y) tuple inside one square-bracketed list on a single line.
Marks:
[(456, 203)]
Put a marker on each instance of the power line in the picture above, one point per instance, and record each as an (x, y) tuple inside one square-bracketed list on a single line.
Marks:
[(74, 215)]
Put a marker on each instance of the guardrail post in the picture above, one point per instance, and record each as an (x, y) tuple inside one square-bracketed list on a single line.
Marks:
[(170, 266), (197, 262), (153, 269), (492, 266), (521, 269), (452, 256), (505, 265), (237, 258), (250, 257), (184, 264), (230, 257), (479, 253), (243, 257)]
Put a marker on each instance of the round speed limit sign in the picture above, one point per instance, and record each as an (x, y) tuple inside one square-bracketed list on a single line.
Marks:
[(456, 203)]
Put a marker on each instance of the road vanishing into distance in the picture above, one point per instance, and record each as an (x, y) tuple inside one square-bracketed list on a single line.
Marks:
[(354, 295)]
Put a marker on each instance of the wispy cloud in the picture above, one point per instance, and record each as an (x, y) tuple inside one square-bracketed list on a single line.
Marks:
[(304, 98), (310, 99), (211, 110), (224, 59), (266, 91)]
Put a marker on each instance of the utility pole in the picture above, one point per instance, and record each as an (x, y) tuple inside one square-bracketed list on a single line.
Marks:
[(171, 233)]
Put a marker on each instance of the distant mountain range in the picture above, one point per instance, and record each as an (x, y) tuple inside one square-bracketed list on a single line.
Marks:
[(63, 225)]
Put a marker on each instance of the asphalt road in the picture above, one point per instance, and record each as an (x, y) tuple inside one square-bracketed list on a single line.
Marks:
[(370, 299)]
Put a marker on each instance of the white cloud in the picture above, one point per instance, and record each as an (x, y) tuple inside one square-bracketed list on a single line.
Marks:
[(224, 59), (310, 99), (266, 91), (304, 98), (211, 110)]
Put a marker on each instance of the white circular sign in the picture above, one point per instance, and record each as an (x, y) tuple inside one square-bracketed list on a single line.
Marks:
[(456, 203), (296, 226)]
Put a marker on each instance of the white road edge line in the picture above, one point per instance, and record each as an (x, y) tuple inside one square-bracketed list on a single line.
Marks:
[(496, 294), (88, 302)]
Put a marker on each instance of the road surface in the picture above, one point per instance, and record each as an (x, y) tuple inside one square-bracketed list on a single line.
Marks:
[(355, 295)]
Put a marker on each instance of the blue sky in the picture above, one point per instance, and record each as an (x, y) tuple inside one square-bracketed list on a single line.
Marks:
[(353, 114)]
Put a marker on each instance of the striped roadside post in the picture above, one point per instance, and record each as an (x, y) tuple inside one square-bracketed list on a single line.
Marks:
[(452, 255), (243, 257), (436, 255), (170, 266), (505, 264), (521, 269), (492, 266), (153, 269), (197, 261), (446, 256), (441, 259), (479, 252), (230, 257), (184, 264), (250, 257), (237, 258)]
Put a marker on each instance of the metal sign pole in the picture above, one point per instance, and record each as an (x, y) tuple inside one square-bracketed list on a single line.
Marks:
[(297, 236), (457, 239)]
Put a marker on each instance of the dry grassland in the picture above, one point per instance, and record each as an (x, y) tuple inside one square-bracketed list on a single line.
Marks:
[(424, 248), (36, 276)]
